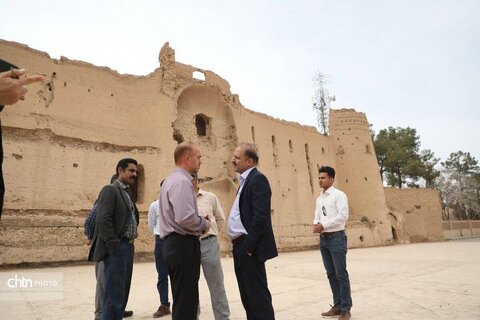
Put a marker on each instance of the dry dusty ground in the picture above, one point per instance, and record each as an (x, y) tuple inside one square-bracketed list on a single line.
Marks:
[(416, 281)]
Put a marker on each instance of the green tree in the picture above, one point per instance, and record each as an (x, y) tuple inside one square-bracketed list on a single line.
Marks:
[(398, 155), (400, 160), (430, 174)]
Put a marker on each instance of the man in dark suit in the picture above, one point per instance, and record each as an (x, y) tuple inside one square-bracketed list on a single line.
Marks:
[(250, 229), (116, 229)]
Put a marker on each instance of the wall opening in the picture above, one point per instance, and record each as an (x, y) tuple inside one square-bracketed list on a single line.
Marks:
[(307, 157), (202, 124), (253, 134), (199, 75), (275, 152), (290, 145), (394, 234), (367, 149)]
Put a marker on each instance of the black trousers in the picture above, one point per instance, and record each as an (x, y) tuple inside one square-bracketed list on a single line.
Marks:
[(253, 286), (182, 257)]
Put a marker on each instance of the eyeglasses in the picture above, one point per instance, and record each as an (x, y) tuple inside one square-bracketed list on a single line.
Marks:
[(324, 211)]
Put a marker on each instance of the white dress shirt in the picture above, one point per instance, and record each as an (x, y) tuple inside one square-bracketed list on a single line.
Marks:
[(235, 226), (153, 218), (331, 210)]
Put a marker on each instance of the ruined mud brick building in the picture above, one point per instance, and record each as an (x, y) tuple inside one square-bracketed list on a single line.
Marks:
[(62, 143)]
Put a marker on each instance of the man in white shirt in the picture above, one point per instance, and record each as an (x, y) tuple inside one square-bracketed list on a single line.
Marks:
[(210, 208), (162, 282), (331, 215)]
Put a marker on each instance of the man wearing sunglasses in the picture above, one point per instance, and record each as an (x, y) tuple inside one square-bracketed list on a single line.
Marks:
[(331, 216)]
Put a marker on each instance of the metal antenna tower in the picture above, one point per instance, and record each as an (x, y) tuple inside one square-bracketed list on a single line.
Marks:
[(321, 102)]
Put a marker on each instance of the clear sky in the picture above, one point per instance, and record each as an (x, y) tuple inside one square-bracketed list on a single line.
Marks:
[(404, 63)]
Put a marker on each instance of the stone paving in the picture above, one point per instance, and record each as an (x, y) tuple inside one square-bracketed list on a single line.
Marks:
[(439, 280)]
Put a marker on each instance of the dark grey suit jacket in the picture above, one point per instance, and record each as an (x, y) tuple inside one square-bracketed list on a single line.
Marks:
[(113, 213), (255, 214)]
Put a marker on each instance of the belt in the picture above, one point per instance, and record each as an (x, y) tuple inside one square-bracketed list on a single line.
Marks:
[(331, 233), (175, 235), (238, 240), (208, 237)]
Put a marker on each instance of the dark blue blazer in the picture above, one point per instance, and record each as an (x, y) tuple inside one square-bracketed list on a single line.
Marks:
[(254, 203)]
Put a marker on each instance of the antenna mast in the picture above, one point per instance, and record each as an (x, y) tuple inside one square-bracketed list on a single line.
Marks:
[(321, 102)]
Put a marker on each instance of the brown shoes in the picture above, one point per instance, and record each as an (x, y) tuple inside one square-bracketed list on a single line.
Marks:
[(162, 310), (333, 312)]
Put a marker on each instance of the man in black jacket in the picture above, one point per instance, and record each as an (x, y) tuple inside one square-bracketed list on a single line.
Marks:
[(250, 229), (116, 229)]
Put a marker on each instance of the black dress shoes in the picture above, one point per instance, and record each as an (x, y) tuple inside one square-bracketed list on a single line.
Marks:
[(127, 314)]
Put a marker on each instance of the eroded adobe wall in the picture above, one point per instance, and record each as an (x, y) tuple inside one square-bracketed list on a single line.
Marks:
[(416, 214), (358, 176), (62, 144)]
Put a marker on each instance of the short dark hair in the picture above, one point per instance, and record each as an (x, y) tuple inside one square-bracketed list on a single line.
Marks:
[(328, 170), (182, 149), (124, 163), (250, 151)]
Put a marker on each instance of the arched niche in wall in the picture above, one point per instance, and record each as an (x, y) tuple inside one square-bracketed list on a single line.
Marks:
[(204, 117)]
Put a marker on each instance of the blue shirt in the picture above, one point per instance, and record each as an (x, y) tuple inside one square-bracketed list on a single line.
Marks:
[(235, 226), (90, 222)]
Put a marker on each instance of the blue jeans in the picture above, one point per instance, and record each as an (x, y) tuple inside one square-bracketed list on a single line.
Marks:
[(118, 276), (334, 254), (162, 283)]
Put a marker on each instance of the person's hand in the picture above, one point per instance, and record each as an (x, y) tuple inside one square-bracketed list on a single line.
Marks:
[(14, 88), (88, 242), (317, 228), (205, 231)]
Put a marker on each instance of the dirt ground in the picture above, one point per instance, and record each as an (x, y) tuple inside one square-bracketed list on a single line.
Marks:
[(439, 280)]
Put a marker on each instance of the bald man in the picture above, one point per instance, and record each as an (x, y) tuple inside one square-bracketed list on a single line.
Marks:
[(180, 227)]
